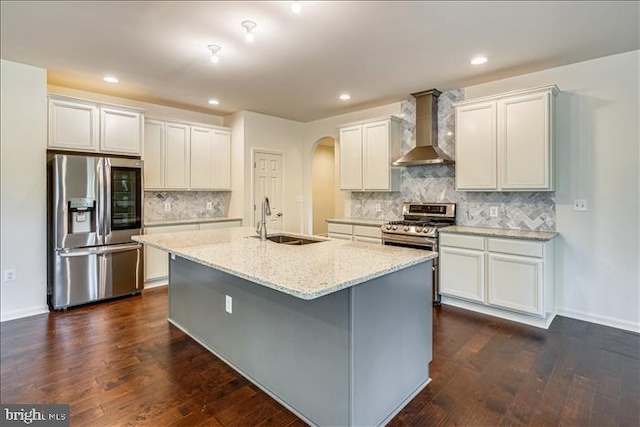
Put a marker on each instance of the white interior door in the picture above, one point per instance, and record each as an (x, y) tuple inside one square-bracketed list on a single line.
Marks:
[(267, 173)]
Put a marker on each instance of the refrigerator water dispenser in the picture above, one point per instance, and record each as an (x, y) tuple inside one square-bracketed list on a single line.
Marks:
[(81, 215)]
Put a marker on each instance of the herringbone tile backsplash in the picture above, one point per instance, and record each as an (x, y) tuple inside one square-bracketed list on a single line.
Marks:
[(435, 183)]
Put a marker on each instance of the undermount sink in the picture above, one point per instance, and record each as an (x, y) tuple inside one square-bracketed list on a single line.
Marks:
[(290, 240)]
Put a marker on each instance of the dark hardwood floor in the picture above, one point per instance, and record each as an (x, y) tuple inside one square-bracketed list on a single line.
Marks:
[(121, 363)]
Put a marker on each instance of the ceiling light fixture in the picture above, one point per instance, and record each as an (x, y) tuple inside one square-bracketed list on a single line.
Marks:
[(479, 60), (249, 27), (296, 6), (214, 102), (110, 79), (214, 48), (345, 97)]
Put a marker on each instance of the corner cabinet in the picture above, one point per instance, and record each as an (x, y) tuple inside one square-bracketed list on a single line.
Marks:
[(509, 278), (505, 142), (182, 156), (366, 152), (82, 125)]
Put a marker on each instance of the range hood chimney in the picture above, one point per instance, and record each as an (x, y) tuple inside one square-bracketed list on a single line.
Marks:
[(426, 151)]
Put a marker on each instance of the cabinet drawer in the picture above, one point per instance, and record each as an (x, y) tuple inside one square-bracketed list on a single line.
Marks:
[(340, 228), (462, 241), (339, 236), (516, 247), (367, 231)]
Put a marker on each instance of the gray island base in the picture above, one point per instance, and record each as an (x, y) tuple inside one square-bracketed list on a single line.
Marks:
[(352, 357)]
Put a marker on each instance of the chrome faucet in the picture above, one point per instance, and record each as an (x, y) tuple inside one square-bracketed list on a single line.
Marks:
[(261, 228)]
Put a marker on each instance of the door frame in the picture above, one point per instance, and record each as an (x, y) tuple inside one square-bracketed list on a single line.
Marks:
[(282, 154)]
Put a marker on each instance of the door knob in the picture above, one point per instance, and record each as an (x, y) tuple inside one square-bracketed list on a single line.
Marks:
[(279, 214)]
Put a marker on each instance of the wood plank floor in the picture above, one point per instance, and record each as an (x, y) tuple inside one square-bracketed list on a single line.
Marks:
[(121, 363)]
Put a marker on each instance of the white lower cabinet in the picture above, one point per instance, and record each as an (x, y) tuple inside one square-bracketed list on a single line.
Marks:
[(462, 273), (515, 282), (156, 264), (509, 278), (359, 233)]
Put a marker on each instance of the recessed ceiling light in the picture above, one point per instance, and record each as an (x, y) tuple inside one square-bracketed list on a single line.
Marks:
[(478, 60), (214, 102), (110, 79), (345, 97), (296, 6)]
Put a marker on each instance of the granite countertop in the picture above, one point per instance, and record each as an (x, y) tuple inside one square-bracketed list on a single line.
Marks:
[(501, 232), (306, 272), (359, 221), (160, 222)]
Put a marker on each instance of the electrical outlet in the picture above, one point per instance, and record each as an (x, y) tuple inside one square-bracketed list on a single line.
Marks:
[(378, 209), (209, 206), (9, 275), (228, 304), (493, 211), (580, 205), (167, 206)]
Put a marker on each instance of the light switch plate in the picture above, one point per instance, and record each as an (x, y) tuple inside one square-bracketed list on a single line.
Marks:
[(167, 206), (580, 205), (209, 206)]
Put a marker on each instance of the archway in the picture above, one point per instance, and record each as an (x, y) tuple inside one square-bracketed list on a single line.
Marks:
[(327, 200)]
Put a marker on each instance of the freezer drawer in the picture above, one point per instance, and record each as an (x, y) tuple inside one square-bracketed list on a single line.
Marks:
[(92, 274)]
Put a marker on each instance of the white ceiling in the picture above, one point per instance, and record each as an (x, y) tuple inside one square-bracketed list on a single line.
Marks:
[(379, 52)]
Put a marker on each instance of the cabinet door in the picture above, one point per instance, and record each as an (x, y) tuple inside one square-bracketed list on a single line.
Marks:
[(156, 262), (524, 142), (515, 282), (462, 273), (153, 155), (221, 160), (476, 145), (73, 126), (340, 236), (375, 156), (351, 158), (177, 156), (201, 158), (119, 131)]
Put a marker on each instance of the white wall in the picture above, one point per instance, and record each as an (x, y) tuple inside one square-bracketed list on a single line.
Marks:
[(323, 174), (23, 213), (277, 135), (597, 158), (237, 203)]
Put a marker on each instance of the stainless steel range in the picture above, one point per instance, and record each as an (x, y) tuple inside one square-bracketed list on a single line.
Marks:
[(419, 229)]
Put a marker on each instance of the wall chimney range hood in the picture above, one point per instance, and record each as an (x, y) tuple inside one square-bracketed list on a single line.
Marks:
[(425, 152)]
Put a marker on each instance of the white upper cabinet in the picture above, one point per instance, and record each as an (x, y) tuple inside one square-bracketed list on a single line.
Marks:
[(505, 142), (177, 143), (154, 151), (120, 131), (82, 125), (366, 152), (182, 156), (73, 125)]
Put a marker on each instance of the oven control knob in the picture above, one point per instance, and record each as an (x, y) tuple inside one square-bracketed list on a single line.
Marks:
[(393, 227), (426, 230), (388, 227), (406, 228), (418, 229)]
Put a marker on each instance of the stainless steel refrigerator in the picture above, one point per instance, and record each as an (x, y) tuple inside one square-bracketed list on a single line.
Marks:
[(94, 207)]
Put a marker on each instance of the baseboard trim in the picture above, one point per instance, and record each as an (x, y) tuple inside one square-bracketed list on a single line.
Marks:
[(600, 320), (538, 322), (156, 284), (19, 314)]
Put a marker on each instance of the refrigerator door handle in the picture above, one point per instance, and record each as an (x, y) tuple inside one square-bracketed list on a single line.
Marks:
[(107, 199), (99, 251), (101, 202)]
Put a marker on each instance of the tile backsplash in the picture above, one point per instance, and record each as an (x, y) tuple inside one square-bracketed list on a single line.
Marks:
[(435, 183), (185, 204)]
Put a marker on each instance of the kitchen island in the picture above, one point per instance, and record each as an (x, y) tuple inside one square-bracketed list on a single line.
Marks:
[(339, 332)]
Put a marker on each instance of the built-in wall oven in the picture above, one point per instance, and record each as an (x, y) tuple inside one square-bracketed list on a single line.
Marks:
[(419, 230)]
